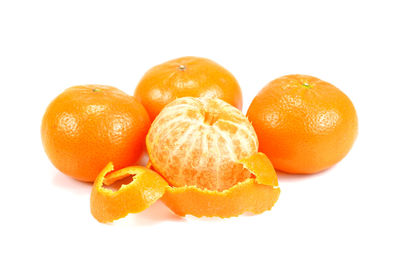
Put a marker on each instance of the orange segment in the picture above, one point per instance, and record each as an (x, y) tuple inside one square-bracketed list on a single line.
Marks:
[(146, 188), (255, 195)]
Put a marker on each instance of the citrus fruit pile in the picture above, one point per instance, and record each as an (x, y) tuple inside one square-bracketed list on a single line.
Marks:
[(206, 158)]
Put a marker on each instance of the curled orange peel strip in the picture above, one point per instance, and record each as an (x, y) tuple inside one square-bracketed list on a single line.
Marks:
[(261, 167), (256, 194), (145, 188)]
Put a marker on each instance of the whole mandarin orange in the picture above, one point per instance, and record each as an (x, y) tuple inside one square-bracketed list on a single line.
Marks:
[(186, 77), (304, 125), (86, 127)]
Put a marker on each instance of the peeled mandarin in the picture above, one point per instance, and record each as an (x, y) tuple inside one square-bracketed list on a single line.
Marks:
[(199, 141)]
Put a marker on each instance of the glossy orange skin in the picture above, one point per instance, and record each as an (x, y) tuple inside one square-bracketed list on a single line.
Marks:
[(86, 127), (186, 77), (304, 125)]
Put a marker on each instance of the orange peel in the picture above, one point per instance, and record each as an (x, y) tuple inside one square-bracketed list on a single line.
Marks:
[(256, 194), (145, 188), (260, 166)]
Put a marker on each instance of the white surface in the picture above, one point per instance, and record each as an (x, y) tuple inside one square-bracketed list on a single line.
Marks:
[(346, 215)]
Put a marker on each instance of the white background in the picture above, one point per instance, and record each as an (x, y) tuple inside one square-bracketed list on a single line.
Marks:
[(345, 215)]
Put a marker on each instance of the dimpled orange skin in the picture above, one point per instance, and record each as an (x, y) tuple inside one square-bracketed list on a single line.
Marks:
[(186, 77), (85, 127), (304, 124)]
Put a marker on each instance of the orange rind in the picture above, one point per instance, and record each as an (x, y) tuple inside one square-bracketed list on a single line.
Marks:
[(145, 188), (246, 196), (260, 166), (255, 195)]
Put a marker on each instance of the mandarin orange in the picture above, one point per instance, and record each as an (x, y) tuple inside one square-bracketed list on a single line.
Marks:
[(304, 124), (186, 77), (199, 141), (85, 127)]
